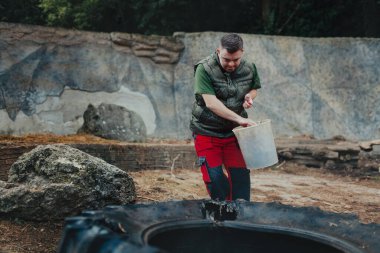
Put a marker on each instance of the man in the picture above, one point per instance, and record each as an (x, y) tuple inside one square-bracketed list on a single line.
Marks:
[(225, 84)]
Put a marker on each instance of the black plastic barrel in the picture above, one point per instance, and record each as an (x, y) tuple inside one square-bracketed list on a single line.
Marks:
[(207, 226)]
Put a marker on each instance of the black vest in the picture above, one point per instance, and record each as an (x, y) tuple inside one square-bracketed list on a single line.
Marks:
[(230, 89)]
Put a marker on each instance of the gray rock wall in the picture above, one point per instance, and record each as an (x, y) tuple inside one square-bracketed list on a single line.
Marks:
[(48, 76), (321, 87)]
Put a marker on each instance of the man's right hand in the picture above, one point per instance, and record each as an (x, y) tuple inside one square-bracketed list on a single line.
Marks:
[(246, 122), (217, 107)]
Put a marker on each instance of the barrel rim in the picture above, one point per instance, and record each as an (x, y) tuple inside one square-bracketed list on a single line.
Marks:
[(259, 123)]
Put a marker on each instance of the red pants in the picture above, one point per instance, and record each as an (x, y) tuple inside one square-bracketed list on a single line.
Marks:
[(213, 152)]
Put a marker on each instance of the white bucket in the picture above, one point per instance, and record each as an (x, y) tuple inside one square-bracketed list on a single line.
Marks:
[(257, 144)]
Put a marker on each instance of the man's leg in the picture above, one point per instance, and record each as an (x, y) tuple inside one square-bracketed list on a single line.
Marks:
[(209, 154), (241, 183), (238, 174)]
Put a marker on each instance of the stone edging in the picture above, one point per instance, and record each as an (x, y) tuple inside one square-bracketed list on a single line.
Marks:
[(328, 154)]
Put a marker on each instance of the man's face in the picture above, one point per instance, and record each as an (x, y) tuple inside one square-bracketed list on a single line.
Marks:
[(229, 61)]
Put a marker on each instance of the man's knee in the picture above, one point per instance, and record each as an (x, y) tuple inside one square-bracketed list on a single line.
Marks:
[(216, 181)]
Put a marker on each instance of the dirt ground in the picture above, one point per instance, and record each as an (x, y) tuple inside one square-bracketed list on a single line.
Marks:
[(286, 183)]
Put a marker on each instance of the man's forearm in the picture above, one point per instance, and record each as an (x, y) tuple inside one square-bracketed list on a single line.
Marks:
[(217, 107)]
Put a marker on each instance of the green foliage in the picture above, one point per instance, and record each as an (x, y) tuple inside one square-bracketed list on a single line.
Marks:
[(21, 11), (316, 18), (58, 12), (97, 15), (309, 18)]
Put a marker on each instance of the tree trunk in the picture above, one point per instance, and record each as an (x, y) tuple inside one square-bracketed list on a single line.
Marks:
[(265, 10)]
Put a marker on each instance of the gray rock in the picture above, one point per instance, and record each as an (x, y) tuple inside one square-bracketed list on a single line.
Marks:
[(113, 122), (55, 181)]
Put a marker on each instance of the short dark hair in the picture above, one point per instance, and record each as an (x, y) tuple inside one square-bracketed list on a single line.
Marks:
[(231, 42)]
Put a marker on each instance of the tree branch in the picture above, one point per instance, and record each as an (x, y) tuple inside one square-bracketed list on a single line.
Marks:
[(290, 17)]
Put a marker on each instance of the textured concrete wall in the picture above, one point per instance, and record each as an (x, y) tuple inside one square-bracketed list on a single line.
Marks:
[(48, 77), (321, 87)]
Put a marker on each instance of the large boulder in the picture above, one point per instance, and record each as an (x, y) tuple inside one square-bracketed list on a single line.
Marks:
[(113, 122), (55, 181)]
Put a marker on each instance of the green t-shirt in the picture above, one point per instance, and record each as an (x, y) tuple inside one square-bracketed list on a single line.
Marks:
[(203, 83)]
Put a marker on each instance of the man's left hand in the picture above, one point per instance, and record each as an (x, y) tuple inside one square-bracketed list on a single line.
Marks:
[(248, 101)]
